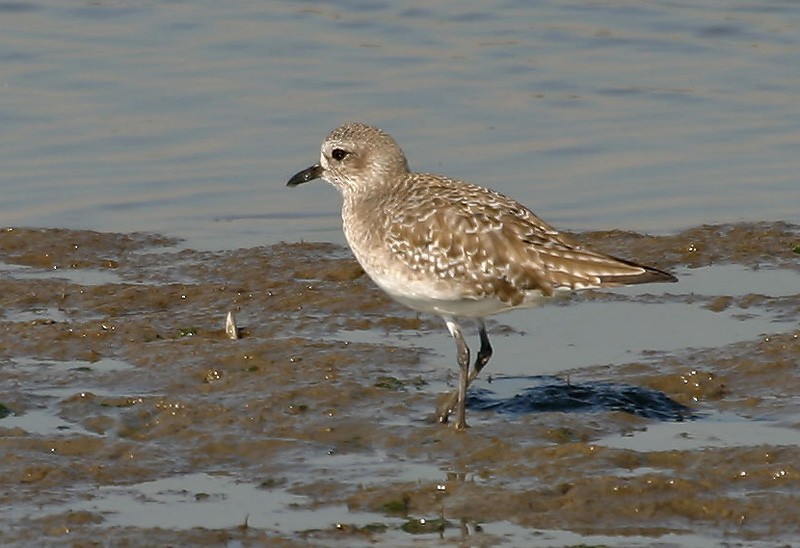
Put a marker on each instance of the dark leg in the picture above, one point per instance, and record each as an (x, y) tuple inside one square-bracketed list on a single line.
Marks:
[(484, 354)]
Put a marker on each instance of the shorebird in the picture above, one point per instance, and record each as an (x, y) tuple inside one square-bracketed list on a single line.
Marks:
[(446, 247)]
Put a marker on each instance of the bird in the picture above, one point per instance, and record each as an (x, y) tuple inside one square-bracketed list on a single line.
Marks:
[(451, 248)]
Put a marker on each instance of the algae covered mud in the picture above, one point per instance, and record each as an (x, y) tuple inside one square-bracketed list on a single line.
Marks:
[(129, 416)]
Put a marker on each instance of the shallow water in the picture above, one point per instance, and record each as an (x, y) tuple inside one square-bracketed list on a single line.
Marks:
[(559, 336), (720, 430), (187, 119)]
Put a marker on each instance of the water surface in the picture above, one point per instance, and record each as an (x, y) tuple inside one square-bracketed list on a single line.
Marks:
[(187, 118)]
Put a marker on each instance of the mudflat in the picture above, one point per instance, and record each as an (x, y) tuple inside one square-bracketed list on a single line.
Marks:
[(118, 374)]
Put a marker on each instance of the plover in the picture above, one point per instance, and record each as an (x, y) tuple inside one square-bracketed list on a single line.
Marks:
[(451, 248)]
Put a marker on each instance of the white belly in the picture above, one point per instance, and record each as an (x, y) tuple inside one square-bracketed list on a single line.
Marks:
[(438, 297)]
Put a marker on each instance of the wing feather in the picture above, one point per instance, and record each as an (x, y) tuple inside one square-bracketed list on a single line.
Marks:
[(492, 245)]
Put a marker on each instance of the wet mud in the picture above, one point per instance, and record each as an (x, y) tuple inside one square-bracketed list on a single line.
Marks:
[(118, 375)]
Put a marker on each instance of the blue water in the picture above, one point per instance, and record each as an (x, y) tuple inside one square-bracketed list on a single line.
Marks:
[(187, 118)]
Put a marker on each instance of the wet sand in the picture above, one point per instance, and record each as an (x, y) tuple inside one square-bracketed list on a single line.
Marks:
[(118, 373)]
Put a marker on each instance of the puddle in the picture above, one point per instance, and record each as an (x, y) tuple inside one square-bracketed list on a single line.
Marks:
[(211, 502), (200, 500), (37, 315), (43, 422), (556, 338), (717, 430), (733, 279), (79, 276), (53, 382)]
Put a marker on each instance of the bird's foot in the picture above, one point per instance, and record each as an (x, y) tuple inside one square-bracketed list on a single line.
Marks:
[(443, 413)]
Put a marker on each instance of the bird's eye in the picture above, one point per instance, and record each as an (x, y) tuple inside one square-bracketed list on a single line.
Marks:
[(338, 154)]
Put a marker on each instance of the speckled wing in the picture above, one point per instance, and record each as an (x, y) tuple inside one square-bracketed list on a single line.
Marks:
[(498, 248)]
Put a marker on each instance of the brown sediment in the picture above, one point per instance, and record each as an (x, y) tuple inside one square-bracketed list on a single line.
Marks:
[(270, 407), (748, 244)]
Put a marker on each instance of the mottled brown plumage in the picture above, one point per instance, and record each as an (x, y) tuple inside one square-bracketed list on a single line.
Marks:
[(451, 248)]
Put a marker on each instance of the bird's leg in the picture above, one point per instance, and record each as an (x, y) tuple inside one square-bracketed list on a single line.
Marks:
[(460, 395), (484, 354)]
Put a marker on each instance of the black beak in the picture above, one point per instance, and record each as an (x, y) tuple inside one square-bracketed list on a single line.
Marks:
[(308, 174)]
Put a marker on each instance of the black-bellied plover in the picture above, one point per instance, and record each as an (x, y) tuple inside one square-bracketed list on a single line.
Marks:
[(451, 248)]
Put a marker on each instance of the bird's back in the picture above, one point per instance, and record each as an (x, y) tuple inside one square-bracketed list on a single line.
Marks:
[(477, 243)]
